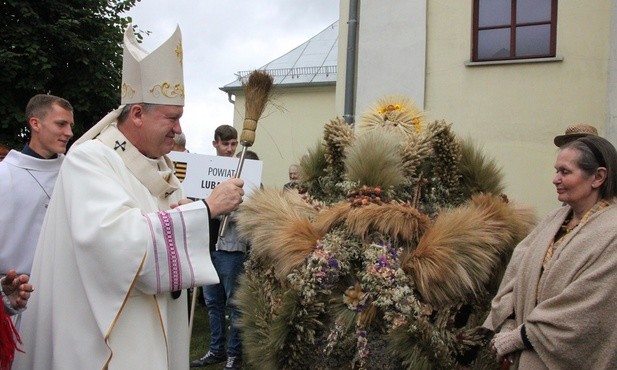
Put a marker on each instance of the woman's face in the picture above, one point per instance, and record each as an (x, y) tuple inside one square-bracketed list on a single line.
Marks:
[(574, 186)]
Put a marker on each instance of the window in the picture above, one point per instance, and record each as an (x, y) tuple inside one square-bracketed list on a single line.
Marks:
[(514, 29)]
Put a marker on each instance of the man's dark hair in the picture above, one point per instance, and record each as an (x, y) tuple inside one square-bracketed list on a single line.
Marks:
[(249, 155), (225, 132)]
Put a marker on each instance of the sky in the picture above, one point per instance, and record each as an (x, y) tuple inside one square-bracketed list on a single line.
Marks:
[(221, 38)]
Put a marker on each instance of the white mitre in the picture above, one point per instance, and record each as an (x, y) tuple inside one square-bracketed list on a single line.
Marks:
[(155, 77)]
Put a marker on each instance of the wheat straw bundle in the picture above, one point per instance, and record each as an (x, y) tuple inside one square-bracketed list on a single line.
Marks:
[(257, 93)]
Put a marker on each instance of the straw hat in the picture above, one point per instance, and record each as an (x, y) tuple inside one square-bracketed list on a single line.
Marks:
[(573, 132)]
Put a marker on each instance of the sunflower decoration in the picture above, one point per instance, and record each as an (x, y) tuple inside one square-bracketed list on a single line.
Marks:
[(395, 113), (397, 267)]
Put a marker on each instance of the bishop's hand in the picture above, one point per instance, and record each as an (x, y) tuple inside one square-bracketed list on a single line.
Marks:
[(226, 197)]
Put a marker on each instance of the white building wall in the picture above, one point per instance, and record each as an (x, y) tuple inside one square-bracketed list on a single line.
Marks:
[(611, 100), (391, 52)]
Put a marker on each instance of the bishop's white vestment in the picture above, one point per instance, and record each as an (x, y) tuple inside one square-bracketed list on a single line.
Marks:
[(26, 185), (110, 253)]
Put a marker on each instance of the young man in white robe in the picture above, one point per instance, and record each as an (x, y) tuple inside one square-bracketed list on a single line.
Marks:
[(119, 242), (27, 180)]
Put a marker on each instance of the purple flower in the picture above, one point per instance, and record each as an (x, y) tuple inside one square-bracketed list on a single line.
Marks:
[(333, 263)]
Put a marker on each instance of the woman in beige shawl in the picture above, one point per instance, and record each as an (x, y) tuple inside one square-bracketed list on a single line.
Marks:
[(556, 304)]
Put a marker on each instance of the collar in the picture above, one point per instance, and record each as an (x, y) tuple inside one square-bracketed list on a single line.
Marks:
[(28, 151), (35, 163), (154, 174)]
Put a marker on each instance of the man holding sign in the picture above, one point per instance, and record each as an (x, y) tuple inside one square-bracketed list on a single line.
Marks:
[(228, 258)]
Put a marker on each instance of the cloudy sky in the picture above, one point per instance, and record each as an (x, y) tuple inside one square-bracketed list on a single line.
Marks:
[(222, 37)]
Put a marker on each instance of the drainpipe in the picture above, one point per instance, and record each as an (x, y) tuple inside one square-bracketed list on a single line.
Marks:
[(350, 67)]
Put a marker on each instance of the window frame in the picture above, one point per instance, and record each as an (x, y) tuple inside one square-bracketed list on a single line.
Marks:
[(512, 27)]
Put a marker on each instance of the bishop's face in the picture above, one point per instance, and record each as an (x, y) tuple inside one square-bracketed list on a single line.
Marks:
[(159, 125)]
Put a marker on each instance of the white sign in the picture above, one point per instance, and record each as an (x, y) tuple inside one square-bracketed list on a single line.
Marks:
[(200, 173)]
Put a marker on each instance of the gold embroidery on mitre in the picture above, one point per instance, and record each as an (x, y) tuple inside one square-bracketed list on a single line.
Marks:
[(179, 51), (127, 90), (166, 90)]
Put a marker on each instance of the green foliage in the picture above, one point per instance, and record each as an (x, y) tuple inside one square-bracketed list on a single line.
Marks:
[(432, 340), (69, 48)]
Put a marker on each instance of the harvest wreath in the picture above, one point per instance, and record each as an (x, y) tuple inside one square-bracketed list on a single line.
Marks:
[(390, 257)]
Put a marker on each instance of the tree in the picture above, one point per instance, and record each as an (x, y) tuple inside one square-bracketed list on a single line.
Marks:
[(68, 48)]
